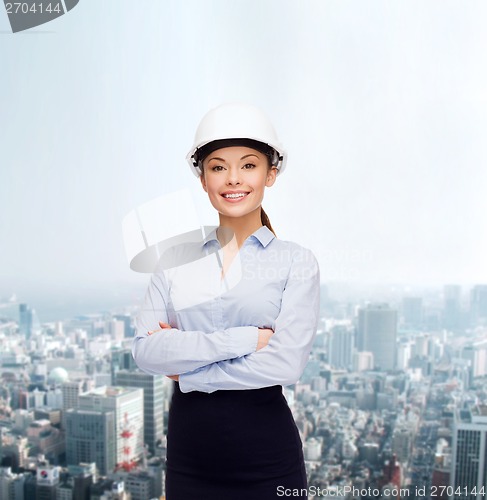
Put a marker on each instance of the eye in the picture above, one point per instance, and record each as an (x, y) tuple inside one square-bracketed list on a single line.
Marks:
[(217, 168), (249, 166)]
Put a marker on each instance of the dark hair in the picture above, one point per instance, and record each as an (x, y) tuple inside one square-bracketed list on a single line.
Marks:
[(265, 220)]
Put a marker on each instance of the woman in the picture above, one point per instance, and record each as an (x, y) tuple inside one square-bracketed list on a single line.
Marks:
[(238, 315)]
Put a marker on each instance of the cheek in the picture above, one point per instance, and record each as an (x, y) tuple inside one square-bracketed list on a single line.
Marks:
[(259, 183), (208, 181), (213, 193), (210, 186)]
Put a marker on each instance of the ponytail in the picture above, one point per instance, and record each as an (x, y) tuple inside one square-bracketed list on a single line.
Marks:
[(265, 220)]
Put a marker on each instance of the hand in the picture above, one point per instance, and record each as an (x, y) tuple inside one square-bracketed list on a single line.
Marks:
[(264, 336), (163, 327)]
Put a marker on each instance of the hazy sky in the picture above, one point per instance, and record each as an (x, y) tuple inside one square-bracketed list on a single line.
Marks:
[(382, 106)]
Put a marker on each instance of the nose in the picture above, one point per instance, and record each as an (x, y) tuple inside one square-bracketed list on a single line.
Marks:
[(233, 176)]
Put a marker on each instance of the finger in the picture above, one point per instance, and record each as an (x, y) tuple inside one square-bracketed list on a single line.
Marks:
[(162, 325)]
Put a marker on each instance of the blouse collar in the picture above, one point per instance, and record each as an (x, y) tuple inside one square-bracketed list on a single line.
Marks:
[(263, 235)]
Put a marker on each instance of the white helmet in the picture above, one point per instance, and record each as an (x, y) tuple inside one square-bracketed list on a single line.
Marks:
[(236, 121)]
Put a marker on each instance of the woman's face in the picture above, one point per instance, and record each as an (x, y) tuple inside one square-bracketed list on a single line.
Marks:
[(235, 179)]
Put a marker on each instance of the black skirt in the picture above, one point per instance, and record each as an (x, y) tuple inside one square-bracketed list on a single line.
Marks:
[(233, 445)]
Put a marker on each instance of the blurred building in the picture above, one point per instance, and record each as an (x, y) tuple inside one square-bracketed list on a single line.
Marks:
[(452, 312), (84, 475), (47, 481), (14, 450), (478, 304), (340, 346), (469, 463), (11, 485), (25, 320), (441, 474), (403, 354), (402, 441), (127, 404), (127, 321), (377, 333), (153, 387), (116, 330), (362, 361), (45, 439), (122, 359), (412, 312), (90, 437), (144, 484), (476, 354), (70, 392)]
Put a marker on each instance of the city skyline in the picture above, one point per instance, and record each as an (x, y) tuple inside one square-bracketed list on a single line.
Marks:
[(376, 405)]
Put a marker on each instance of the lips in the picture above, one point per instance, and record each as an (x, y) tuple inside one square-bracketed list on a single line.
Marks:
[(234, 196)]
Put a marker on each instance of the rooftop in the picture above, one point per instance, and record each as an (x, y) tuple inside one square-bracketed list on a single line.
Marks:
[(480, 411)]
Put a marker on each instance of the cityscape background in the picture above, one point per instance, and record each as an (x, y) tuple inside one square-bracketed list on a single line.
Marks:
[(382, 107), (392, 403)]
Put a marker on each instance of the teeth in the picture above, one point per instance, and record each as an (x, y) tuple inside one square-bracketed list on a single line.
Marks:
[(235, 195)]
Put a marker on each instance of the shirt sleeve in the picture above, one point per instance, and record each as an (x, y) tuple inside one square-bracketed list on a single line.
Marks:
[(172, 351), (283, 360)]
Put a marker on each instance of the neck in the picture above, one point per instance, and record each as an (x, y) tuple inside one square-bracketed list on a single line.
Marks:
[(239, 228)]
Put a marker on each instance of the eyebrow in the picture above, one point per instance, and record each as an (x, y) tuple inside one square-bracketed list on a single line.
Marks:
[(222, 159)]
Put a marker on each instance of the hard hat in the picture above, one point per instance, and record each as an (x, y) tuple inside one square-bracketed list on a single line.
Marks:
[(236, 121)]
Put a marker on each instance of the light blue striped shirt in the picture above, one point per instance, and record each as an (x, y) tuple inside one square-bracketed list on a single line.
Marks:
[(212, 344)]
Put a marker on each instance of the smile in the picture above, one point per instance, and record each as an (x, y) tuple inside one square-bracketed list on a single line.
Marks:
[(234, 196)]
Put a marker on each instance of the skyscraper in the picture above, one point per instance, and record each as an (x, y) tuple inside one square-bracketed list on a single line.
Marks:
[(452, 313), (11, 485), (478, 303), (122, 359), (127, 405), (377, 333), (25, 320), (153, 386), (340, 346), (412, 311), (476, 354), (90, 437), (47, 481), (128, 328), (116, 329), (70, 391), (469, 464), (362, 361)]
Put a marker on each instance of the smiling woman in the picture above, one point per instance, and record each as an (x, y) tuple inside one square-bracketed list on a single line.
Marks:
[(236, 324), (235, 178)]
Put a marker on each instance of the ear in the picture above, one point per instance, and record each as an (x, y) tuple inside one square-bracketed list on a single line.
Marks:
[(271, 176), (203, 182)]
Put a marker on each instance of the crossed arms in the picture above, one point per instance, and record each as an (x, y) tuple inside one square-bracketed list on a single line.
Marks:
[(232, 358)]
